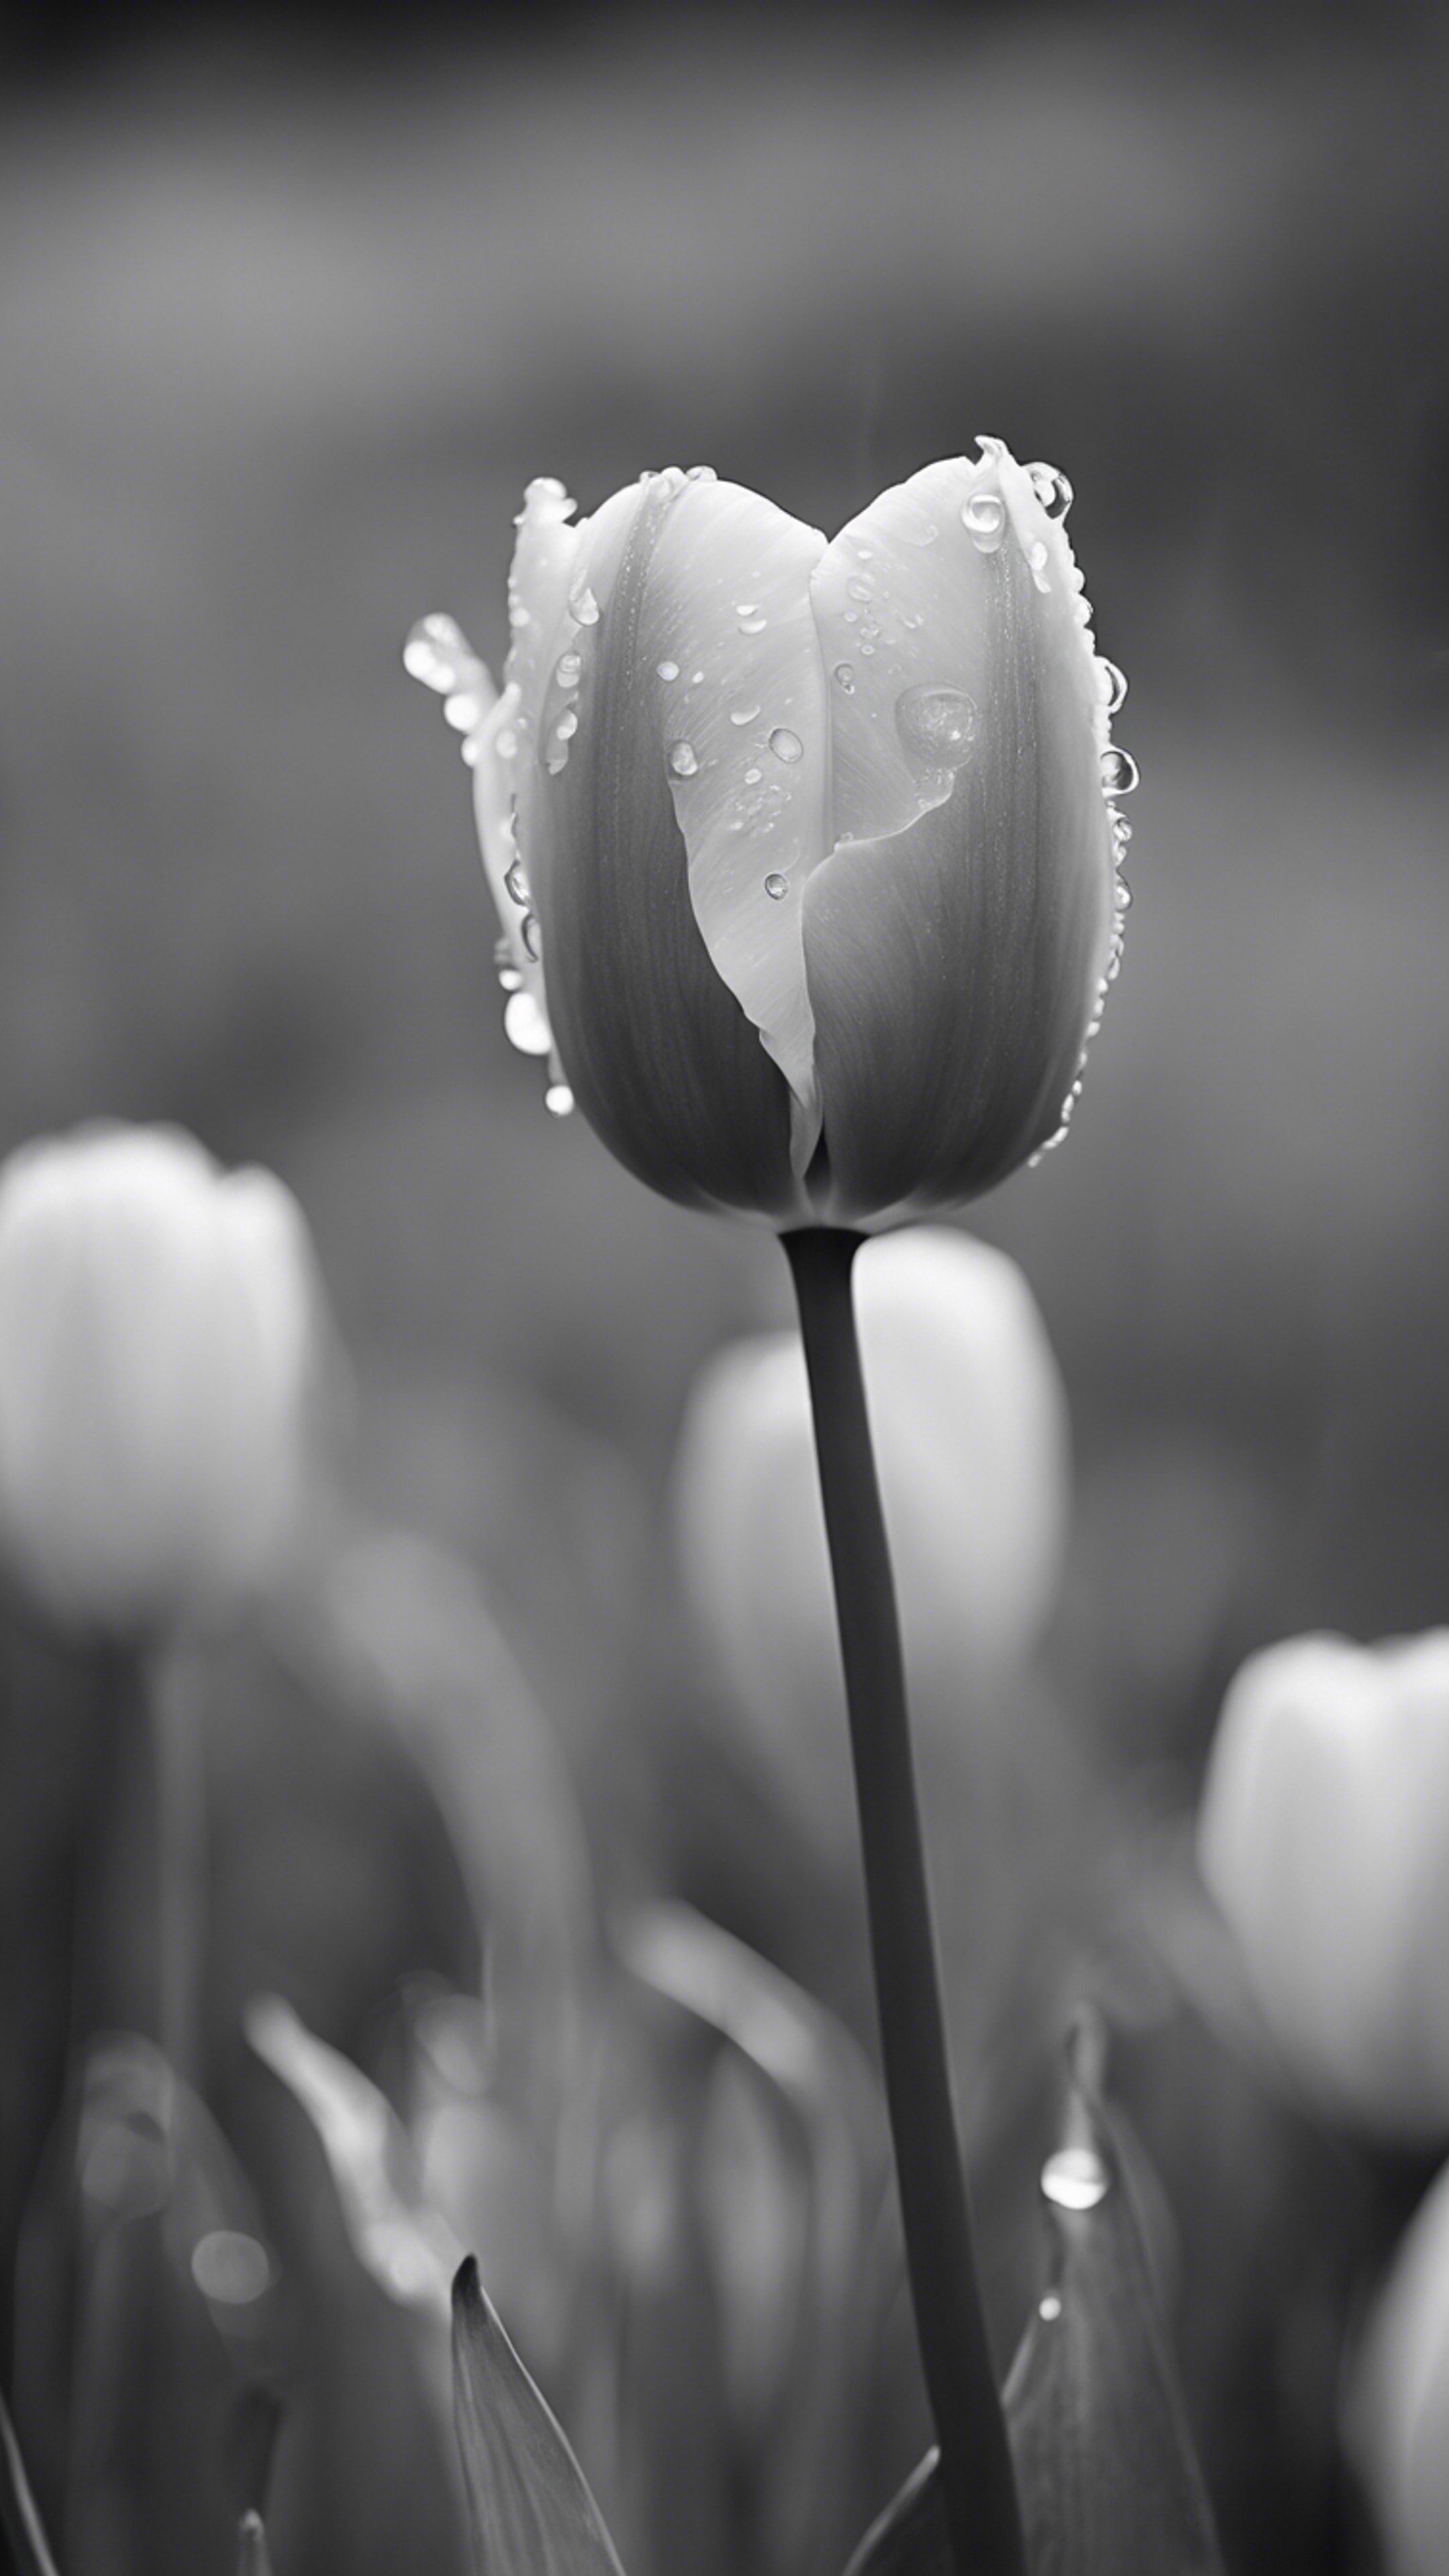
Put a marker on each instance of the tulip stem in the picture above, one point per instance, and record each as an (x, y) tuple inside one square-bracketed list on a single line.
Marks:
[(982, 2513)]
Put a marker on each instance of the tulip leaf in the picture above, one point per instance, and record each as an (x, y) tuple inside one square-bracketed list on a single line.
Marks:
[(529, 2504), (1104, 2460), (910, 2538), (1105, 2468), (19, 2514)]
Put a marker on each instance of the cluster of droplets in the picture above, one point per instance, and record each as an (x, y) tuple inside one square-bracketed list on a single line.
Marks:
[(438, 654), (1117, 771)]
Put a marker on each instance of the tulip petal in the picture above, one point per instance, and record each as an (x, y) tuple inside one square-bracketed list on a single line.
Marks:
[(744, 738), (530, 2507), (660, 1054), (954, 968)]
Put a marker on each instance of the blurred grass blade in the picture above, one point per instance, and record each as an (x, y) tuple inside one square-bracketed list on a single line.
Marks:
[(1105, 2464), (910, 2538), (253, 2558), (28, 2545), (530, 2507)]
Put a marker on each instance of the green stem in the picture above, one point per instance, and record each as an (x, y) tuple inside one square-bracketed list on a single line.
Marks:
[(982, 2513)]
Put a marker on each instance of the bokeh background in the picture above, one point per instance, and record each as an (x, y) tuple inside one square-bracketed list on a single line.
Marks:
[(291, 307)]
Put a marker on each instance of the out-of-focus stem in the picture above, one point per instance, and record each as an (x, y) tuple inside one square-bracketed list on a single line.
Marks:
[(982, 2511)]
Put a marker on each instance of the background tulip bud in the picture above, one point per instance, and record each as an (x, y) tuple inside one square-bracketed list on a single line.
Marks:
[(970, 1424), (1399, 2397), (803, 850), (1324, 1836), (156, 1322)]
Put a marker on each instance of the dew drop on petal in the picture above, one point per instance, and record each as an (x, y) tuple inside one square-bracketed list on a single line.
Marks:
[(464, 709), (1052, 489), (1049, 2308), (1037, 558), (524, 1025), (858, 589), (786, 746), (1111, 686), (755, 624), (528, 933), (753, 777), (516, 882), (667, 670), (776, 887), (844, 678), (984, 519), (700, 474), (437, 652), (558, 1100), (743, 715), (584, 608), (937, 725), (1119, 773), (683, 759), (567, 670), (567, 726), (1075, 2178), (506, 745)]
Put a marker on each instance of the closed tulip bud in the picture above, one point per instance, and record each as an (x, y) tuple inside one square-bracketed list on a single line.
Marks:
[(1399, 2396), (157, 1321), (804, 851), (970, 1427), (1324, 1837)]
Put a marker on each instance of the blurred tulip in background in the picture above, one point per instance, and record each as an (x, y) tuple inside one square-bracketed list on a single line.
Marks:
[(804, 852), (1324, 1836), (1399, 2398), (970, 1422), (158, 1323)]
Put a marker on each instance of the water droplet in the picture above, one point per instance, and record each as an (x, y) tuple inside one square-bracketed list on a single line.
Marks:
[(230, 2269), (567, 670), (1051, 488), (1037, 558), (1121, 832), (984, 520), (567, 726), (437, 652), (1119, 773), (700, 474), (925, 535), (743, 715), (506, 745), (753, 777), (845, 678), (584, 608), (464, 709), (528, 933), (518, 616), (776, 887), (515, 883), (858, 589), (695, 678), (524, 1025), (746, 608), (683, 759), (1111, 686), (667, 670), (1123, 896), (1082, 611), (558, 1100), (1049, 2308), (510, 978), (786, 746), (754, 624), (1075, 2178), (936, 725)]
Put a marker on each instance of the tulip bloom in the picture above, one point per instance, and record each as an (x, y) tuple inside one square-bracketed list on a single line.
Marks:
[(1324, 1836), (804, 851), (970, 1423), (157, 1322)]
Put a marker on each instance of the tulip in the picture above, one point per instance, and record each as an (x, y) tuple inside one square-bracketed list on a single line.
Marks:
[(1399, 2396), (157, 1321), (804, 851), (1324, 1837), (970, 1425)]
